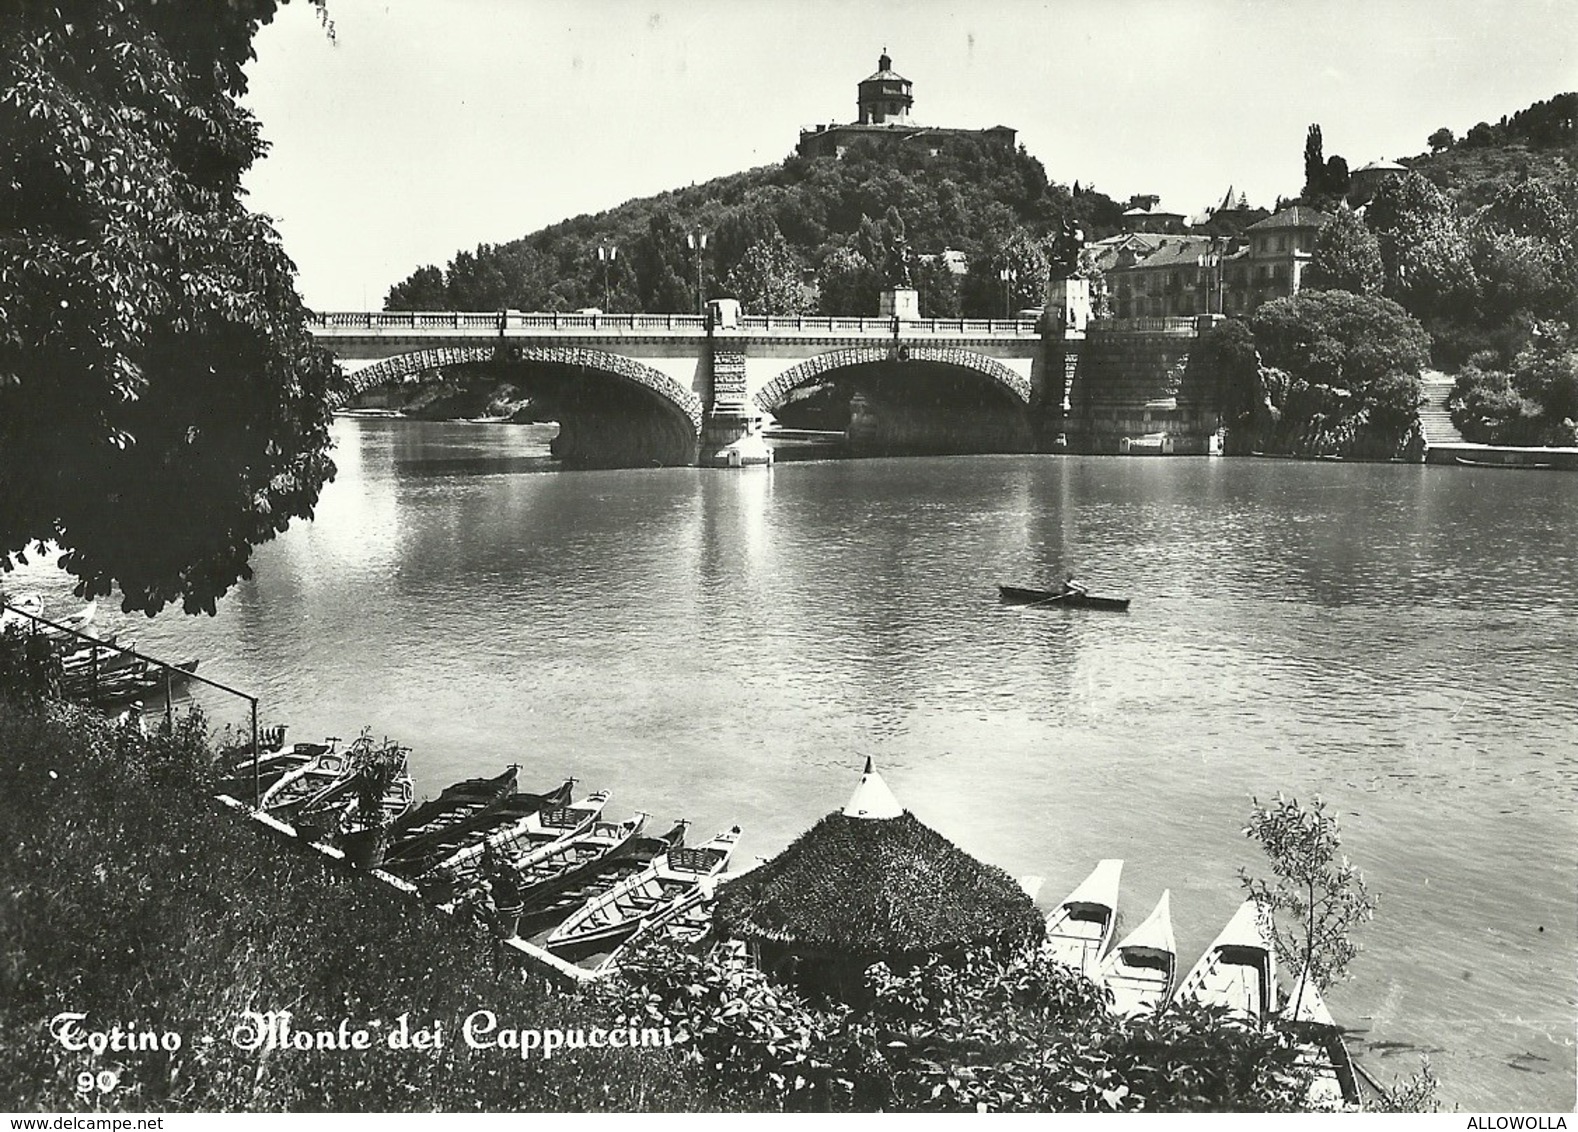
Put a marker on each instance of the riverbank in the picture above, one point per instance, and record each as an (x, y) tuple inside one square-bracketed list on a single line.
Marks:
[(133, 899)]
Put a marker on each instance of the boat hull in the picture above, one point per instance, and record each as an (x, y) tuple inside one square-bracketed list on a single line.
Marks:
[(1019, 595)]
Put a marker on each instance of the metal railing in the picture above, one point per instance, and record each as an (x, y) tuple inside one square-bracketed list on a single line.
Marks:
[(170, 675)]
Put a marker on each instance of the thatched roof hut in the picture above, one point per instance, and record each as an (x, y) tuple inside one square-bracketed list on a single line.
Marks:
[(871, 883)]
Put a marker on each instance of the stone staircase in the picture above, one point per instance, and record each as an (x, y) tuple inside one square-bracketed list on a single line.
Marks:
[(1434, 420)]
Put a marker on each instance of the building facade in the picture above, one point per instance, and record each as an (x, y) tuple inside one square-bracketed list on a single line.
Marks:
[(1152, 275)]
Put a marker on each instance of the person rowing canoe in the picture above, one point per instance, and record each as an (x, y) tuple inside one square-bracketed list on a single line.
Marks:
[(1071, 587)]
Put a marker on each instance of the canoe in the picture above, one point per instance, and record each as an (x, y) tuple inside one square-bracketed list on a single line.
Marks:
[(454, 804), (1080, 928), (1335, 1084), (1139, 972), (1047, 599), (545, 867), (651, 892), (412, 858), (1513, 465), (1238, 970), (539, 827), (548, 905)]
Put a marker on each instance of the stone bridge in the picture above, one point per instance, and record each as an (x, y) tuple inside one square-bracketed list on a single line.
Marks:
[(674, 389)]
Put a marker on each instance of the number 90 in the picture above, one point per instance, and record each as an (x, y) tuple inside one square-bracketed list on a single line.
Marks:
[(104, 1081)]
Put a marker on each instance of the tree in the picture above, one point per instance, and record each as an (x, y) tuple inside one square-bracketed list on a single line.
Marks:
[(1347, 257), (1314, 163), (847, 285), (163, 408), (1351, 365), (661, 268), (1320, 891), (766, 280), (424, 290), (1442, 139)]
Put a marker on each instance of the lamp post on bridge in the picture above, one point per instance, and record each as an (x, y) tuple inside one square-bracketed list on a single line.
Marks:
[(606, 256), (697, 242)]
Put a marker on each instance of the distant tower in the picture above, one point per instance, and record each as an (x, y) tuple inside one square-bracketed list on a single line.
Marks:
[(885, 97)]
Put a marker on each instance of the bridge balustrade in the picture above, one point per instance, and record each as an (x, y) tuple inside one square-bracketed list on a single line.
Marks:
[(1172, 324), (502, 322)]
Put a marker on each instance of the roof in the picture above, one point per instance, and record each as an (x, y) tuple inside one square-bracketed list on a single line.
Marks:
[(1382, 167), (864, 887), (885, 72), (1175, 253), (872, 800), (1298, 216)]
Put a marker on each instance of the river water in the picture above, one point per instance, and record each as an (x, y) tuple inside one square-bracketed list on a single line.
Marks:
[(730, 646)]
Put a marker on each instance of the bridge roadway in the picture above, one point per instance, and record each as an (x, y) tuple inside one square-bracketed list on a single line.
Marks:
[(675, 388)]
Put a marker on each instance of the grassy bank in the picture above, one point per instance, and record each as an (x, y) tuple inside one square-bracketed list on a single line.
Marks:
[(126, 895)]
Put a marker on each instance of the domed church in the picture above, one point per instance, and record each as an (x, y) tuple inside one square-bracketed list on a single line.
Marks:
[(883, 102)]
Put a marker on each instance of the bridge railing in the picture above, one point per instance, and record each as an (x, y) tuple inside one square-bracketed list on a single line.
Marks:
[(880, 327), (503, 322), (1172, 324)]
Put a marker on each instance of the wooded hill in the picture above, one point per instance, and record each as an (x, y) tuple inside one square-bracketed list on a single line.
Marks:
[(780, 235), (824, 235), (1539, 143)]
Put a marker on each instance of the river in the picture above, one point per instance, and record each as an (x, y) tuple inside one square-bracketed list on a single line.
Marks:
[(730, 646)]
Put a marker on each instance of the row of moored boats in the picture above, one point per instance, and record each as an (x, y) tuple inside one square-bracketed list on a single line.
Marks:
[(540, 865), (1238, 972), (94, 670)]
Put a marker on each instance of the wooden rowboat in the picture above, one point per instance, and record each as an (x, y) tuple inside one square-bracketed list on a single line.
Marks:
[(1020, 595), (546, 866), (1139, 972), (413, 857), (297, 788), (1079, 929), (538, 828), (1335, 1085), (547, 905), (272, 766), (454, 804), (651, 892), (1238, 970)]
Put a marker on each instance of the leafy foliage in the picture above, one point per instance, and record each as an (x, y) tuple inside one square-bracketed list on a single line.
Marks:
[(1340, 372), (1319, 890), (163, 408), (1533, 400), (985, 1031), (1347, 257)]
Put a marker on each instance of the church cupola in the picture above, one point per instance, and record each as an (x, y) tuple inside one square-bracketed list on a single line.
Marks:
[(885, 97)]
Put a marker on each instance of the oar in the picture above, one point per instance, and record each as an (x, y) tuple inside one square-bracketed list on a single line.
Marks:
[(1045, 600)]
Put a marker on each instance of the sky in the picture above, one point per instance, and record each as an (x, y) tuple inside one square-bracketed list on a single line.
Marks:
[(421, 128)]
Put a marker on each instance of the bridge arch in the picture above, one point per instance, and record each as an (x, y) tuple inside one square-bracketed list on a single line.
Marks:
[(395, 368), (776, 392)]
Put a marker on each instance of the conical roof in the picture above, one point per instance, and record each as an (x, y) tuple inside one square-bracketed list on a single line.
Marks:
[(872, 799), (870, 886)]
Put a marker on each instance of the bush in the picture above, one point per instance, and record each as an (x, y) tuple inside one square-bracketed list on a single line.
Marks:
[(976, 1032)]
